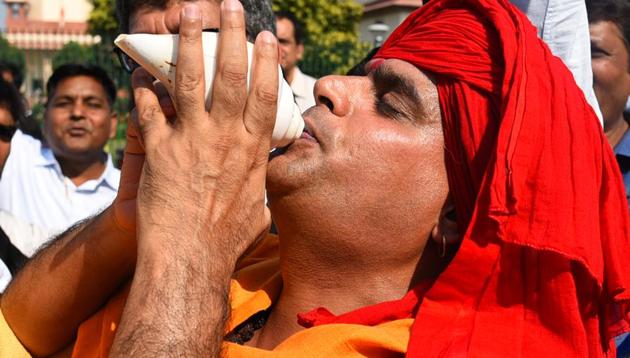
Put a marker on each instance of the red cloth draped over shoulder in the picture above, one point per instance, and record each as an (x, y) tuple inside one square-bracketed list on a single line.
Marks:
[(542, 269)]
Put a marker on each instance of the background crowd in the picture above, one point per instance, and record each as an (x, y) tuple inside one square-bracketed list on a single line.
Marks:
[(59, 169)]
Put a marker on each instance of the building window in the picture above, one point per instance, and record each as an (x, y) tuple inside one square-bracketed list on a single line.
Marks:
[(15, 9)]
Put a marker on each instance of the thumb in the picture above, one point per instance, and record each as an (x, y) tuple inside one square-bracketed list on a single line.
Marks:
[(133, 161)]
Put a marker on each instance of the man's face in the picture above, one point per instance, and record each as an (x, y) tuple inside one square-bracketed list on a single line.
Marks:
[(611, 69), (290, 51), (156, 21), (7, 125), (79, 119), (374, 143)]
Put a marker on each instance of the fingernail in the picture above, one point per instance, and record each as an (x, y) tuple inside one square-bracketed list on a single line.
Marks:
[(267, 37), (231, 5), (191, 11)]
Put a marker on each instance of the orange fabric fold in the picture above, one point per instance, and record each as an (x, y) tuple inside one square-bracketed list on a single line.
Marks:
[(255, 287)]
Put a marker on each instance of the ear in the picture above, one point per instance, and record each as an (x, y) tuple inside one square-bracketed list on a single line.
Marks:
[(300, 52), (447, 225), (114, 125)]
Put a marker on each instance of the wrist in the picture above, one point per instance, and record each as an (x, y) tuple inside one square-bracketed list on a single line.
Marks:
[(160, 247)]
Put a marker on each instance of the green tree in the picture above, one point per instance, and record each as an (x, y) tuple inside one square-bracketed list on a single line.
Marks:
[(102, 20), (332, 26), (12, 55), (72, 52)]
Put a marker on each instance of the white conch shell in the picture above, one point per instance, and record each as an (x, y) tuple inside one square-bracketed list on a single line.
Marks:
[(158, 55)]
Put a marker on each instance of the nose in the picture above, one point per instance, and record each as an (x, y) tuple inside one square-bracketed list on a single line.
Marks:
[(78, 111), (333, 92)]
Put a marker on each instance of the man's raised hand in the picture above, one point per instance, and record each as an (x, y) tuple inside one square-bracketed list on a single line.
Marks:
[(204, 173)]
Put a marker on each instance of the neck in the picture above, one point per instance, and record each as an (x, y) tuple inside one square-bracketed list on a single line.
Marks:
[(289, 75), (91, 167), (330, 266), (616, 130)]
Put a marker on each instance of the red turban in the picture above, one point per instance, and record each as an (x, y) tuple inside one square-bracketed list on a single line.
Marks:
[(539, 199)]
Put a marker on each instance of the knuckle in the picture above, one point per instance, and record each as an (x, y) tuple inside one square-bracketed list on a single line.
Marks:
[(189, 35), (234, 74), (188, 82), (149, 114), (231, 103), (266, 96)]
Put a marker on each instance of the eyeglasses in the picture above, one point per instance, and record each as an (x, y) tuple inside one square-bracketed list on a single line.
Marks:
[(7, 132), (130, 65), (125, 61)]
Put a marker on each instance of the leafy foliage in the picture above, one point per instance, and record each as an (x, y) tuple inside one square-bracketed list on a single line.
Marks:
[(72, 52), (332, 26), (102, 20), (12, 55)]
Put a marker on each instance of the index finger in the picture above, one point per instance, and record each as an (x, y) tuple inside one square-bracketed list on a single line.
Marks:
[(230, 83), (189, 79)]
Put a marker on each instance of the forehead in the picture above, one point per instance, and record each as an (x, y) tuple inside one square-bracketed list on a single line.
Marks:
[(284, 27), (80, 86), (153, 20), (393, 68), (605, 31)]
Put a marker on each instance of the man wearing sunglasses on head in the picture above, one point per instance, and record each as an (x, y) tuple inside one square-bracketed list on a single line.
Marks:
[(54, 183), (11, 114)]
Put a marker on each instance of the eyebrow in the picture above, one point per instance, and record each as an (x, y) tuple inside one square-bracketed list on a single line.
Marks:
[(88, 97), (384, 78)]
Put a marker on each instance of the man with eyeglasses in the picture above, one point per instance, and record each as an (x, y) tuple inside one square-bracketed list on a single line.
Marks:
[(9, 114), (55, 183)]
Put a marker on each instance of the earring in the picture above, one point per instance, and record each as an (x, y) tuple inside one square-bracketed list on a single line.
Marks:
[(443, 251)]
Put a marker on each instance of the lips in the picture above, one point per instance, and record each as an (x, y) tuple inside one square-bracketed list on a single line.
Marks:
[(77, 131), (308, 134)]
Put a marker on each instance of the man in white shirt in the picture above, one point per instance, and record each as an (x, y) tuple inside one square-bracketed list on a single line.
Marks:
[(54, 184), (291, 39)]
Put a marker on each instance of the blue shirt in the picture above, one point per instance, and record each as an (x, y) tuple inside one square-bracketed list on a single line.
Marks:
[(622, 151)]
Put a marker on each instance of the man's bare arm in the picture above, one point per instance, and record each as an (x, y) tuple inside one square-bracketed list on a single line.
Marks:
[(67, 282), (201, 197)]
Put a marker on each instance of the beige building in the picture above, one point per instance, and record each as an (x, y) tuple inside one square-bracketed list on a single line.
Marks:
[(41, 28), (381, 17)]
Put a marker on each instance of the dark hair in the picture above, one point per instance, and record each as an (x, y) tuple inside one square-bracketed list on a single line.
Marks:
[(299, 34), (258, 14), (10, 97), (74, 70), (615, 11), (15, 71)]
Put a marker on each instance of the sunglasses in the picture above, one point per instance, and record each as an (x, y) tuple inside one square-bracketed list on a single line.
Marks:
[(130, 65), (7, 132)]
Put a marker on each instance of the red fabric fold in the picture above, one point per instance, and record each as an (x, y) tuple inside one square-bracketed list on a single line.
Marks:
[(540, 202), (371, 315)]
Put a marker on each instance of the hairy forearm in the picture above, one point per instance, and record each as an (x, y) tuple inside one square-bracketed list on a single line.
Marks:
[(67, 282), (178, 302)]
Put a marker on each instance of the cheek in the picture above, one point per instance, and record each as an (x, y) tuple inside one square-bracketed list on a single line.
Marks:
[(55, 122), (603, 73), (394, 158)]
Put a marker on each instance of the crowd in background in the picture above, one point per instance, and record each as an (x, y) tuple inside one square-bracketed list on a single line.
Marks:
[(57, 173)]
